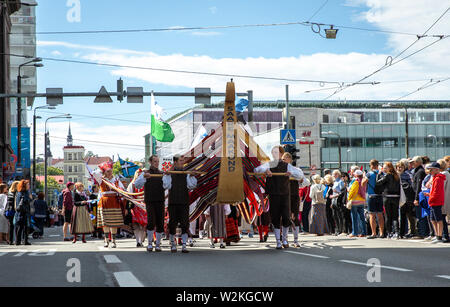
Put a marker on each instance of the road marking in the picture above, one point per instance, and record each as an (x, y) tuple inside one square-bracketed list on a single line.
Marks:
[(443, 276), (3, 253), (127, 279), (381, 266), (49, 252), (111, 259), (20, 253), (52, 236), (310, 255)]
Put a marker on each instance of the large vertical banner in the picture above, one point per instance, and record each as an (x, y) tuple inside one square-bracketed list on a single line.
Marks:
[(231, 180), (25, 145)]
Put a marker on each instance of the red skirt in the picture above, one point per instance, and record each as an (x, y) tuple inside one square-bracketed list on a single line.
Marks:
[(232, 230)]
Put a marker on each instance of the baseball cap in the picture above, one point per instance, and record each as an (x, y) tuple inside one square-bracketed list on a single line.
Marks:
[(434, 165), (359, 172)]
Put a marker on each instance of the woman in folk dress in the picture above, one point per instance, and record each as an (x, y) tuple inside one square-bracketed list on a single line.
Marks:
[(81, 221), (139, 215), (110, 213)]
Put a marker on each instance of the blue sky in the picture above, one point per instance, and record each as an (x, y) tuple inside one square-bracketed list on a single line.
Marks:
[(269, 51)]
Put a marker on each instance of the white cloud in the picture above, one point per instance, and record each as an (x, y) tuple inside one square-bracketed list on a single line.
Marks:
[(82, 133), (56, 53), (399, 15)]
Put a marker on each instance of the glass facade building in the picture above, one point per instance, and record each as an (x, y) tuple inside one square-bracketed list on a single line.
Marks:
[(381, 135)]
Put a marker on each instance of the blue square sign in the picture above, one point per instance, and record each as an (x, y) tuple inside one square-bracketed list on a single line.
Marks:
[(287, 136)]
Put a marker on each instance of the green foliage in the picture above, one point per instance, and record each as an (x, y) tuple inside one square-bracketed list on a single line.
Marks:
[(51, 171), (52, 184)]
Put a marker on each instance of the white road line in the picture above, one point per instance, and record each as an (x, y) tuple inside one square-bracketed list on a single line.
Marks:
[(310, 255), (127, 279), (52, 236), (443, 276), (50, 252), (381, 266), (3, 253), (111, 259)]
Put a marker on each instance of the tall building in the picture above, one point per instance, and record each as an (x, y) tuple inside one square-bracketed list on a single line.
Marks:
[(23, 42), (7, 8), (74, 163)]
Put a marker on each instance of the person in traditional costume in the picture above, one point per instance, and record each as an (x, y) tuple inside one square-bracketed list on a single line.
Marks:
[(93, 197), (294, 199), (277, 187), (154, 198), (178, 186), (215, 223), (81, 221), (232, 226), (318, 216), (139, 215), (110, 213)]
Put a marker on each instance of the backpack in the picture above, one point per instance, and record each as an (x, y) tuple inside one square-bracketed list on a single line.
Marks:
[(319, 195), (60, 200), (378, 189)]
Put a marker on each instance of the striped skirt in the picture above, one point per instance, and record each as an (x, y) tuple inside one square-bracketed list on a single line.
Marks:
[(109, 213), (318, 219), (81, 221)]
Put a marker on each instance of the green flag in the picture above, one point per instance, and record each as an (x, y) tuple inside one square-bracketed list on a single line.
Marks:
[(160, 130)]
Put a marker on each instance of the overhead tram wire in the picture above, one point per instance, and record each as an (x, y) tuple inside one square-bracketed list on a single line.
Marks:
[(187, 71), (318, 10), (198, 28), (93, 141), (426, 85), (390, 60)]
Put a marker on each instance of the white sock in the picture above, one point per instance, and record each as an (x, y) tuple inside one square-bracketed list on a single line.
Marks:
[(277, 234), (285, 234), (296, 231), (150, 237)]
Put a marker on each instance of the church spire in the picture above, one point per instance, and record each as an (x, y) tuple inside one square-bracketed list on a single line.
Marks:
[(69, 138)]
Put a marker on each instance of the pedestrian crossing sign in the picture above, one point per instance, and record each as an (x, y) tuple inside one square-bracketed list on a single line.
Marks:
[(287, 136)]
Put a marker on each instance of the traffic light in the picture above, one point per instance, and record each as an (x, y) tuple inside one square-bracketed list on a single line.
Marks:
[(293, 151)]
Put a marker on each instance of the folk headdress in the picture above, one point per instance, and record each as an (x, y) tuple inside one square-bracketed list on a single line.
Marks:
[(105, 166)]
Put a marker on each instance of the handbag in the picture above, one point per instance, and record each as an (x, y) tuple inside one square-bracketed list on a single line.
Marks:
[(402, 201)]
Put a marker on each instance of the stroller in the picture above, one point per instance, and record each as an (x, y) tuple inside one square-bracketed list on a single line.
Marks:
[(33, 229)]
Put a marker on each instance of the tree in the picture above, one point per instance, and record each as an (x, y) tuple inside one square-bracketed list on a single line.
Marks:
[(51, 171), (52, 184)]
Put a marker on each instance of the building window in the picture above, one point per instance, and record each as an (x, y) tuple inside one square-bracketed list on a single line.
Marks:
[(69, 157), (371, 117), (426, 116), (389, 117), (443, 116), (70, 169)]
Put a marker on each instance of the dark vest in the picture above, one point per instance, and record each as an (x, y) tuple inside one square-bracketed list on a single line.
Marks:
[(153, 188), (179, 193), (277, 185), (294, 187)]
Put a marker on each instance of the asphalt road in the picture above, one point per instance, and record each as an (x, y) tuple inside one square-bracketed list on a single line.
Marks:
[(320, 261)]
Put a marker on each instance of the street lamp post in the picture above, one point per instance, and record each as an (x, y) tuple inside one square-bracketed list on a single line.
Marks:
[(34, 141), (45, 152), (19, 109)]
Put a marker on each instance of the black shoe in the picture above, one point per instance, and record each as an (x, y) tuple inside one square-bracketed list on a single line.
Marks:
[(372, 237), (265, 238), (27, 243), (138, 245)]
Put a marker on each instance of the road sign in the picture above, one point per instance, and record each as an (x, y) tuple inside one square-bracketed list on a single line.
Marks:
[(202, 95), (135, 95), (287, 136), (103, 96), (54, 96)]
